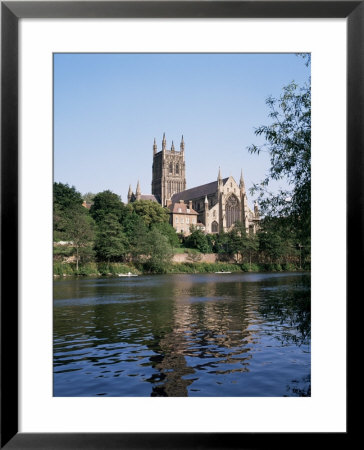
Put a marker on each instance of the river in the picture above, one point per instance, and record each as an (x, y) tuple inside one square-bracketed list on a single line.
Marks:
[(228, 335)]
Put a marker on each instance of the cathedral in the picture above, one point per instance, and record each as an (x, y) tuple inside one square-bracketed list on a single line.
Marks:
[(213, 207)]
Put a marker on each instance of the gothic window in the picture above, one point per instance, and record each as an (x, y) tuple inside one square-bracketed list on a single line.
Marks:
[(214, 227), (177, 168), (232, 210), (170, 168)]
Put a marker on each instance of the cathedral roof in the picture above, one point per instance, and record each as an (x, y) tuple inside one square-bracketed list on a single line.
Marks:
[(181, 208), (197, 192), (148, 197)]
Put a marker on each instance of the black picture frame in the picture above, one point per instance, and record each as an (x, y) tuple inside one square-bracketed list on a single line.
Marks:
[(11, 12)]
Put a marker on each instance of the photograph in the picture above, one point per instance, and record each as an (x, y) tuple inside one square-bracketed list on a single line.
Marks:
[(182, 224)]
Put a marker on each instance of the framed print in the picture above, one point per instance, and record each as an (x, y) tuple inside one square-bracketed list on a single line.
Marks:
[(54, 52)]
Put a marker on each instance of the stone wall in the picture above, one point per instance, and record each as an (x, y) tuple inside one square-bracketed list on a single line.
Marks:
[(183, 257)]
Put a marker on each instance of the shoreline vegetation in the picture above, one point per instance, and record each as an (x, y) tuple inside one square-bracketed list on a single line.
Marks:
[(95, 269), (112, 238)]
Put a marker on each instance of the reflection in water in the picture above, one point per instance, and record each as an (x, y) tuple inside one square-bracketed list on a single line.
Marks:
[(183, 335)]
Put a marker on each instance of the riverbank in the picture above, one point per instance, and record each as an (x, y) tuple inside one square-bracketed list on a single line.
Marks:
[(94, 269)]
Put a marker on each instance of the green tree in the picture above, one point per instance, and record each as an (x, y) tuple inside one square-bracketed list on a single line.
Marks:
[(80, 230), (111, 242), (66, 200), (278, 240), (197, 239), (160, 252), (65, 196), (251, 246), (288, 143), (241, 243), (169, 232), (136, 232), (105, 203), (151, 212)]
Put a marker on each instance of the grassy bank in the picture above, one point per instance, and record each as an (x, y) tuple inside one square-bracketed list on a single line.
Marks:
[(94, 269)]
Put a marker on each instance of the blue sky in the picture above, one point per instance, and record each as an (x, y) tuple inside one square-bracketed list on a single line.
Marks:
[(108, 108)]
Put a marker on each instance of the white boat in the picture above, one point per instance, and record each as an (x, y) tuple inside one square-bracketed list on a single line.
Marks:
[(222, 272), (129, 274)]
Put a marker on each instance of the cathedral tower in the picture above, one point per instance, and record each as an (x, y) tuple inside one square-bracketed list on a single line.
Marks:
[(169, 173)]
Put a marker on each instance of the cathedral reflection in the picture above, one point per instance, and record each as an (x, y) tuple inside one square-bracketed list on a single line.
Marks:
[(206, 333)]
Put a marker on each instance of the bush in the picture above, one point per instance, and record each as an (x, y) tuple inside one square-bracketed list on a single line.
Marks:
[(88, 269), (62, 269), (289, 267), (114, 268), (251, 267)]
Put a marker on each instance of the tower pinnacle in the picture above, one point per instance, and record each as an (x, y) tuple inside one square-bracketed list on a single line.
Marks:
[(182, 144), (130, 193), (242, 184)]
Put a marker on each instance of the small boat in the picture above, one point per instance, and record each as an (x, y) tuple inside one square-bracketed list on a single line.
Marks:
[(129, 274), (222, 272)]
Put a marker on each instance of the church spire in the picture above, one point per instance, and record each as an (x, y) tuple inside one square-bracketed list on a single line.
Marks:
[(130, 193), (154, 147), (138, 191), (164, 142), (172, 148), (242, 184), (182, 145)]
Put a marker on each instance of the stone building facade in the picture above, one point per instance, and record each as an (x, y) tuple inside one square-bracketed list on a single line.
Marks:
[(218, 205), (221, 204), (182, 217), (169, 171)]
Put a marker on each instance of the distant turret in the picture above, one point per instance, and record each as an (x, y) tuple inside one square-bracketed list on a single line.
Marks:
[(130, 194), (154, 147), (206, 212), (164, 142), (219, 179), (256, 210), (138, 192)]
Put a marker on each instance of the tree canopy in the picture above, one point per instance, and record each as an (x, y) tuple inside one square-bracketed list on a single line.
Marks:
[(288, 143), (150, 212)]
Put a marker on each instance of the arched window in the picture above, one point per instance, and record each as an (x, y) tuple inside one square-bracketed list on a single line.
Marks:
[(214, 227), (177, 168), (232, 210), (170, 168)]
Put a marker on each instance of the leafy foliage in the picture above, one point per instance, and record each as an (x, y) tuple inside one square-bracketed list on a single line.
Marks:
[(288, 142), (197, 239), (111, 243), (151, 212), (107, 202)]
